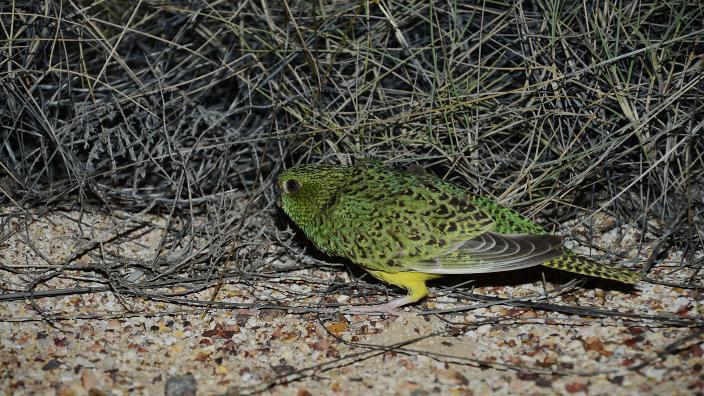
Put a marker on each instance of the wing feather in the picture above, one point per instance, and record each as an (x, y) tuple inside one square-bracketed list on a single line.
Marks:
[(492, 252)]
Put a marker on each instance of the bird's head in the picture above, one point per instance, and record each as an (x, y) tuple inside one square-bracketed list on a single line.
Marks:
[(306, 190)]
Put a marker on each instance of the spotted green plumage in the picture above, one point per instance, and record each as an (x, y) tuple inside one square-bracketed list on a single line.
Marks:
[(393, 223)]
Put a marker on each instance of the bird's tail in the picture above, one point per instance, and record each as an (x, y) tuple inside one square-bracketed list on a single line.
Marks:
[(585, 266)]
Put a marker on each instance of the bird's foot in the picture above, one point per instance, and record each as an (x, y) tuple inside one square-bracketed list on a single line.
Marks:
[(390, 308)]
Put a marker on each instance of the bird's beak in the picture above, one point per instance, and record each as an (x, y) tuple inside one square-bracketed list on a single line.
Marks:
[(277, 191)]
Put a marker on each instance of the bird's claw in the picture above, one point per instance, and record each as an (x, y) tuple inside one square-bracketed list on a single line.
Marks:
[(391, 308), (371, 309)]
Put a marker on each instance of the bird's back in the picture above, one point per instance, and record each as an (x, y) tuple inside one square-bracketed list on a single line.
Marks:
[(389, 220)]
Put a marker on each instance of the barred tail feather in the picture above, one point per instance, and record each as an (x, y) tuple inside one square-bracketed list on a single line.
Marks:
[(585, 266)]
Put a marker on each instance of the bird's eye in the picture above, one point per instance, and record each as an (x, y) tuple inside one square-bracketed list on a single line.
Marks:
[(291, 186)]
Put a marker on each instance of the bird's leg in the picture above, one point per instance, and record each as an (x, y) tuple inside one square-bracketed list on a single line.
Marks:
[(414, 282), (389, 308)]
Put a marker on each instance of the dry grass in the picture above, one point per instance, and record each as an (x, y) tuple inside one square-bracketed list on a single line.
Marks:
[(188, 109)]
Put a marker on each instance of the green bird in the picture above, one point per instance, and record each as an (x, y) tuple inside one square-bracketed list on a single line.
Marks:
[(406, 228)]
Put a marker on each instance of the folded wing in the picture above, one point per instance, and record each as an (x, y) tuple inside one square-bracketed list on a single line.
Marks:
[(493, 252)]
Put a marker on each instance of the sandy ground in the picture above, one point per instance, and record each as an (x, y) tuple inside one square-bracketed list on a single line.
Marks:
[(645, 341)]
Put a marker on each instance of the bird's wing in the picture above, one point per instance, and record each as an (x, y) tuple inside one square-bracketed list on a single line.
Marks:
[(492, 252)]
